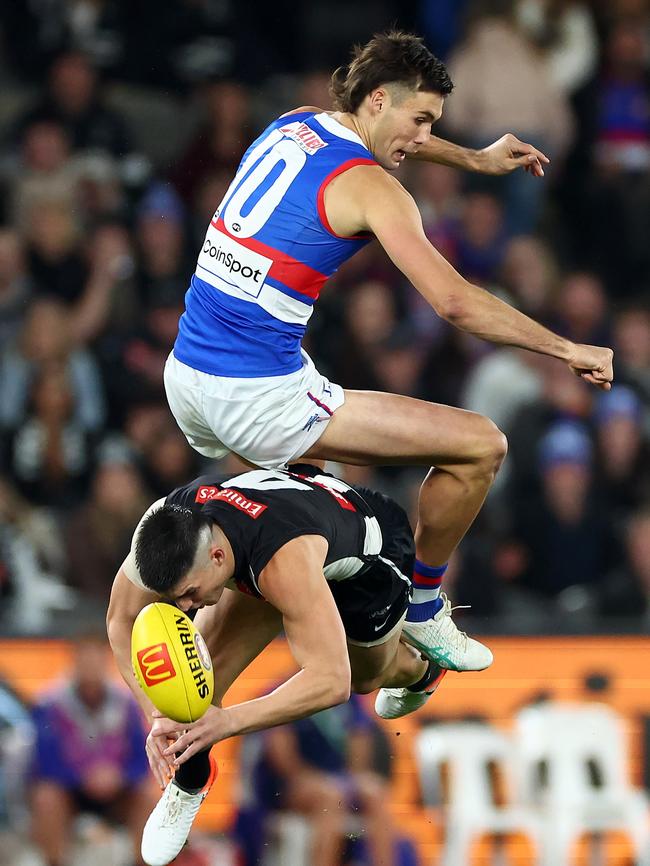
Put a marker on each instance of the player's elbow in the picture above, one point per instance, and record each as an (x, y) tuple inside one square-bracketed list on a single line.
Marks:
[(453, 307), (339, 686)]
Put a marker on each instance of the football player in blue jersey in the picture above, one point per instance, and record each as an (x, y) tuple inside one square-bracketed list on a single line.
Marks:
[(310, 191)]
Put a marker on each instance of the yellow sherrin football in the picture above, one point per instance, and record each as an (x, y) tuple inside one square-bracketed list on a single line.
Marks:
[(171, 662)]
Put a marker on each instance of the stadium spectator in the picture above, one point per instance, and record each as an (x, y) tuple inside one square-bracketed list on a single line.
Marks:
[(370, 317), (325, 768), (501, 83), (561, 399), (98, 534), (219, 143), (623, 453), (625, 594), (73, 100), (481, 238), (31, 563), (49, 455), (46, 341), (89, 755), (631, 327), (15, 751), (42, 171), (160, 242), (608, 173), (166, 460), (565, 32), (529, 275), (15, 286), (567, 536), (581, 309)]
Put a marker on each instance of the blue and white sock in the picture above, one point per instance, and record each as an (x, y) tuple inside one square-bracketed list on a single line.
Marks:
[(425, 601)]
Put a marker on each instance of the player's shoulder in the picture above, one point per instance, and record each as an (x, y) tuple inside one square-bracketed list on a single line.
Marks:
[(304, 109)]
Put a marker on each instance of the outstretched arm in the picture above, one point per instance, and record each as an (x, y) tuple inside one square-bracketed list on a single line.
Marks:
[(503, 156), (368, 198)]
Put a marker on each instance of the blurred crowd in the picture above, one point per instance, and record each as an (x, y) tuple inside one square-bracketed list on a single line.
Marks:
[(121, 125)]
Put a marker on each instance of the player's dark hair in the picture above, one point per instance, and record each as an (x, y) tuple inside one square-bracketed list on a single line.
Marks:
[(392, 57), (166, 545)]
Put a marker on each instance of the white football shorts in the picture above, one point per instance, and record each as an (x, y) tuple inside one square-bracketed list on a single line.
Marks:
[(270, 421)]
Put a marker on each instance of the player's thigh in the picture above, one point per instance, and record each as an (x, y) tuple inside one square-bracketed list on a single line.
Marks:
[(368, 664), (236, 630), (375, 427)]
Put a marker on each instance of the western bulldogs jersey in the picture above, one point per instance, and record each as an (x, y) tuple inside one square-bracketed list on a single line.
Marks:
[(261, 510), (268, 251)]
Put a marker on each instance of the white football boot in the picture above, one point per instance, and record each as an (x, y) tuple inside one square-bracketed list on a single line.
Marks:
[(440, 640), (170, 822), (393, 703)]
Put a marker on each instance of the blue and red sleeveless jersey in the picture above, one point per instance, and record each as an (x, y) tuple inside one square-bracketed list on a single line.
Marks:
[(268, 251)]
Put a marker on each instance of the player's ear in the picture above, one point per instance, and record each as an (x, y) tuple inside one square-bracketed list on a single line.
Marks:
[(378, 100)]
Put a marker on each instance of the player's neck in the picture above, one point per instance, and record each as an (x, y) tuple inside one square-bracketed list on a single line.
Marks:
[(356, 125), (220, 538)]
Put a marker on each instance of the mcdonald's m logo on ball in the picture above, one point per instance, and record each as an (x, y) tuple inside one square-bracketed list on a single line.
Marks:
[(155, 664)]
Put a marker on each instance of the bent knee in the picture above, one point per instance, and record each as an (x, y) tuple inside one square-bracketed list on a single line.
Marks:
[(366, 685), (490, 444)]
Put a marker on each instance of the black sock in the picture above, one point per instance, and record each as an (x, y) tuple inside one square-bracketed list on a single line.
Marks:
[(194, 773), (432, 673)]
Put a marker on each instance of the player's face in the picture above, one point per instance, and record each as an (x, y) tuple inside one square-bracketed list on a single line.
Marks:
[(404, 125), (201, 587)]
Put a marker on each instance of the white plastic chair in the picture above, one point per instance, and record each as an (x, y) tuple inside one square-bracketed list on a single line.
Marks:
[(468, 750), (584, 786)]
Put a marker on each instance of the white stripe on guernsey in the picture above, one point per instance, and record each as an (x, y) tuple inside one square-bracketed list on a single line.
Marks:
[(275, 302), (395, 569), (423, 596), (336, 128), (342, 569)]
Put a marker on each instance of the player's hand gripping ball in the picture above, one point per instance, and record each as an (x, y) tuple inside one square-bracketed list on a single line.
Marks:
[(171, 662)]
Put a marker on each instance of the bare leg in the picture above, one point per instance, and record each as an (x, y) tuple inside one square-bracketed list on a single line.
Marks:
[(132, 810), (466, 450), (318, 797), (373, 796), (52, 813), (391, 665)]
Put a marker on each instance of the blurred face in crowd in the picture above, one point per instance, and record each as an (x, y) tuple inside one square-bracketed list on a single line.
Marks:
[(170, 456), (482, 219), (90, 673), (398, 122), (619, 440), (53, 399), (582, 304), (370, 312), (632, 338), (228, 104), (160, 240), (566, 485), (45, 147), (530, 272), (437, 184), (117, 489), (72, 82), (626, 48), (46, 331), (52, 230)]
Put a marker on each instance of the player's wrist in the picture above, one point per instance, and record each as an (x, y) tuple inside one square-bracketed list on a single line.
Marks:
[(479, 160)]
